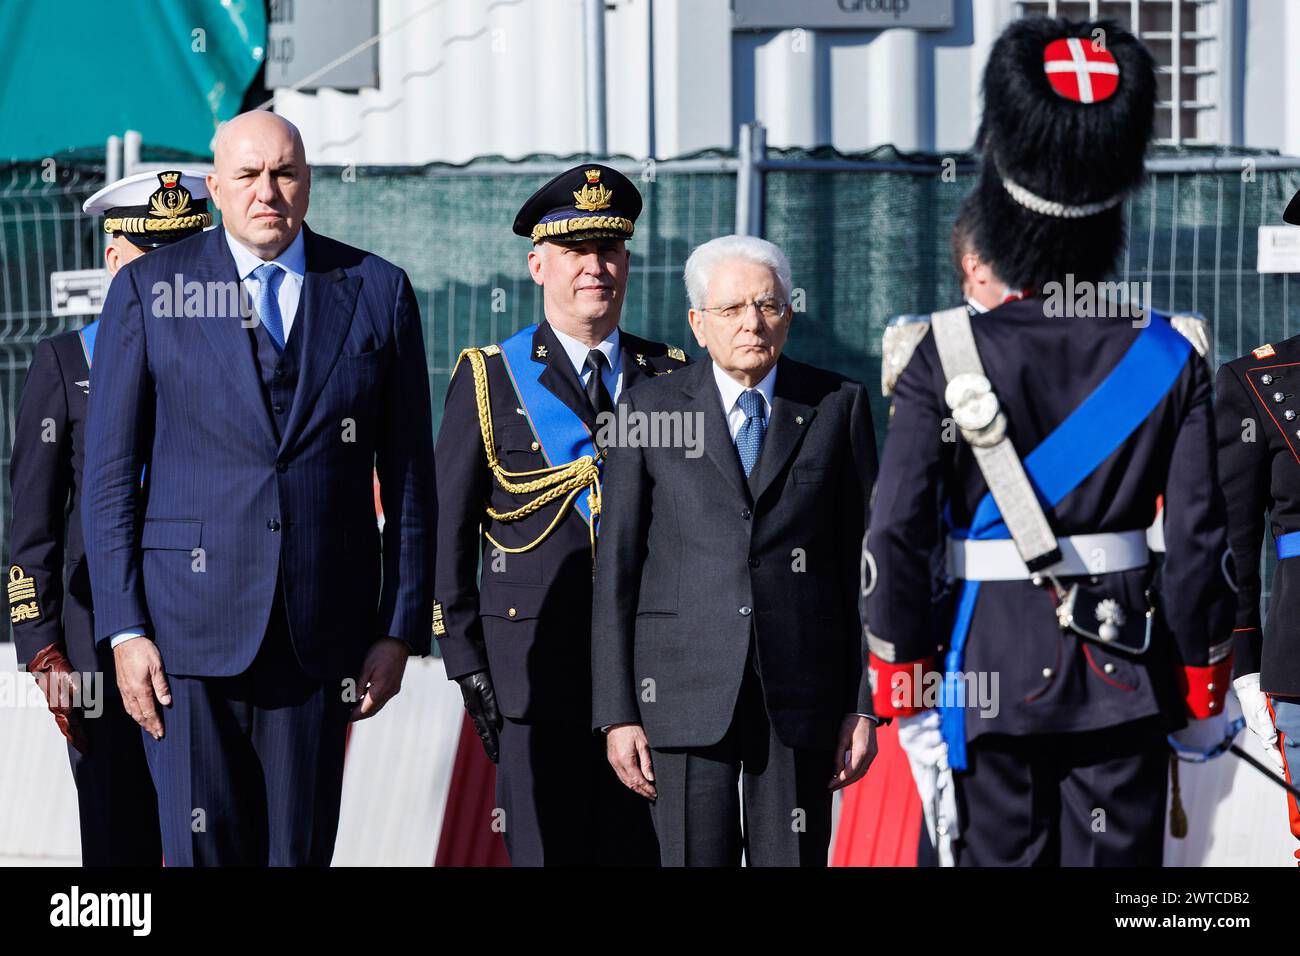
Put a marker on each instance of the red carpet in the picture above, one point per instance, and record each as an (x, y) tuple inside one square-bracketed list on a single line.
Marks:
[(881, 816), (467, 837)]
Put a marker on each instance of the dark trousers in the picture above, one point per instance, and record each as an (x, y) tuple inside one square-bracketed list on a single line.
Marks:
[(115, 797), (250, 768), (786, 807), (563, 803), (1083, 799)]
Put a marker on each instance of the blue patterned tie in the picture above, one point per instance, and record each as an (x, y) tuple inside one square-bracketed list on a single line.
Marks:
[(268, 302), (749, 440)]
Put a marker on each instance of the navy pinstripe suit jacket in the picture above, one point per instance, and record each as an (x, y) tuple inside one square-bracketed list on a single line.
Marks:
[(193, 556)]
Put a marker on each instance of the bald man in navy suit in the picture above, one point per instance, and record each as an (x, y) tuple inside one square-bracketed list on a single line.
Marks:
[(252, 605)]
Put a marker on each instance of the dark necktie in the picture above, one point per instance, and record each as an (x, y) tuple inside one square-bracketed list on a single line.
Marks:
[(749, 440), (597, 393)]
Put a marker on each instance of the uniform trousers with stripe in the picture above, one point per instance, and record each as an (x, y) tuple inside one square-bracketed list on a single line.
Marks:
[(1095, 798), (1286, 718), (784, 815), (250, 768)]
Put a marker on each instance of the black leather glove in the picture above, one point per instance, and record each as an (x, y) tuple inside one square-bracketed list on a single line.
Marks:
[(481, 703)]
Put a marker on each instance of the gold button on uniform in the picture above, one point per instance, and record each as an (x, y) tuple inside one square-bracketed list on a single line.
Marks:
[(535, 446), (512, 612)]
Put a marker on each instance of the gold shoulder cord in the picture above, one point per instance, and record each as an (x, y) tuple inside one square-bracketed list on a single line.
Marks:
[(558, 481)]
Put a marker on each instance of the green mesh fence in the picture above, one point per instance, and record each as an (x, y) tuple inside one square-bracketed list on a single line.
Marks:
[(864, 244), (450, 230)]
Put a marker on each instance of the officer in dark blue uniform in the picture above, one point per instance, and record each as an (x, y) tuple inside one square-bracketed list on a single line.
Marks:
[(1043, 686), (48, 581), (519, 464), (1258, 412)]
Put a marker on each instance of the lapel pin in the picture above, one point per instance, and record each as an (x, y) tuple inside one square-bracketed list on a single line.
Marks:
[(541, 351), (798, 419), (640, 360)]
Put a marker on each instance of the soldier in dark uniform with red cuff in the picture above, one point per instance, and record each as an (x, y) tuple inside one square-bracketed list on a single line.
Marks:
[(1067, 654), (1257, 404), (518, 495), (48, 582)]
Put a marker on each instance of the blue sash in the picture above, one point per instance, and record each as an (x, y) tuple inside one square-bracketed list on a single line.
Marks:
[(1288, 545), (1060, 463), (88, 340), (564, 436)]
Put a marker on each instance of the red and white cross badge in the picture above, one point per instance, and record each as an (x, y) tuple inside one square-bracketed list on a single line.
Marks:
[(1079, 71)]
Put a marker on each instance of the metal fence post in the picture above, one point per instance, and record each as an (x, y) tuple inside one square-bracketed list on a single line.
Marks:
[(594, 50), (113, 159), (752, 154), (131, 146)]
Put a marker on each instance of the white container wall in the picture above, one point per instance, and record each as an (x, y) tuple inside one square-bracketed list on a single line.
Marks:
[(466, 78)]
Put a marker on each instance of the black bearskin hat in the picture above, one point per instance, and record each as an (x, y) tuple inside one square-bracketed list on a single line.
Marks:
[(1068, 113)]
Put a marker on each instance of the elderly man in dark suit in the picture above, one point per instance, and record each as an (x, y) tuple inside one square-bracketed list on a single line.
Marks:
[(726, 640), (244, 587)]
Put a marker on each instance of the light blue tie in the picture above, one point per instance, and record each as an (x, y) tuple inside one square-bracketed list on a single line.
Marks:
[(749, 440), (268, 301)]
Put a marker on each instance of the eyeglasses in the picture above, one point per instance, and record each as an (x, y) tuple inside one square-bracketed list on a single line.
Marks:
[(767, 308)]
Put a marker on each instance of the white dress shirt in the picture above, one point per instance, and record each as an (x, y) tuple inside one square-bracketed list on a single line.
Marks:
[(730, 390), (294, 263), (577, 353)]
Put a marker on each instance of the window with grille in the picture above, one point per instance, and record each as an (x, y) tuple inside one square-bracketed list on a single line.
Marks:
[(1185, 37)]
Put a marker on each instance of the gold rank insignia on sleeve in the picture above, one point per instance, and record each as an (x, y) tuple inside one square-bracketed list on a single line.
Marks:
[(676, 354), (439, 628), (23, 604), (1264, 351)]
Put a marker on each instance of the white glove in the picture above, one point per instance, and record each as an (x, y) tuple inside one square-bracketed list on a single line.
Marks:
[(1203, 735), (1254, 707), (927, 754), (922, 740)]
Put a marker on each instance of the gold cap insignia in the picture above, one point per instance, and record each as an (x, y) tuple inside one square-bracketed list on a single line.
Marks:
[(171, 209), (491, 350), (593, 196), (676, 353), (171, 199), (23, 604), (1264, 351)]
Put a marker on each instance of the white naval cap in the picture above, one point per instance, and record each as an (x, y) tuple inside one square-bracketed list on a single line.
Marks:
[(155, 207)]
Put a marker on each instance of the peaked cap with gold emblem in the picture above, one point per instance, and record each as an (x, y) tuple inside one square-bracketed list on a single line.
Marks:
[(153, 208), (590, 201)]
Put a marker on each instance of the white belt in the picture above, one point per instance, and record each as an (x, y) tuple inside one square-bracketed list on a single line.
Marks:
[(1081, 554)]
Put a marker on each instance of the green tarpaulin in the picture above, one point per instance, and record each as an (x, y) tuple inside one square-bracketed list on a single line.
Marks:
[(78, 71)]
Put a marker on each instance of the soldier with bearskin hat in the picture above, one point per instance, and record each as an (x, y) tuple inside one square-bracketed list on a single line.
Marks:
[(1067, 654)]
